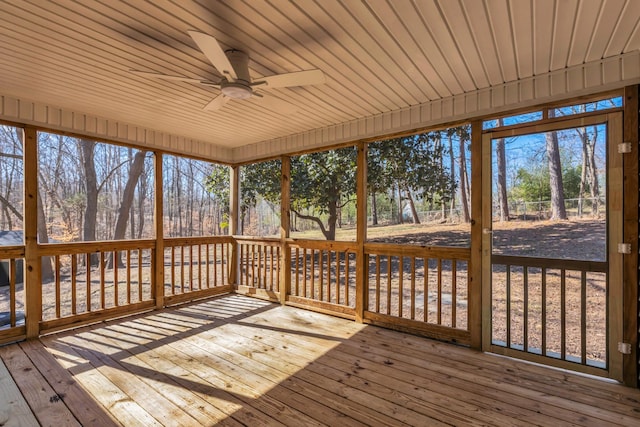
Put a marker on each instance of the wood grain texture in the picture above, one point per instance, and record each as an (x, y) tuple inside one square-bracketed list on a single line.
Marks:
[(236, 360)]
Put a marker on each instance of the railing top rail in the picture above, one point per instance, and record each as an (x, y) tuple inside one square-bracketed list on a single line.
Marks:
[(49, 249), (395, 249), (11, 252), (196, 240), (256, 239), (323, 245), (551, 263)]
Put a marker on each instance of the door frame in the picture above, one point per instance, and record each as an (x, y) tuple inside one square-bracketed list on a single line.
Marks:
[(615, 210)]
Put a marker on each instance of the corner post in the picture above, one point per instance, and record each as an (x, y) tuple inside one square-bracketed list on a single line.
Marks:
[(630, 234), (362, 259), (158, 225), (475, 265), (32, 261), (285, 227), (234, 218)]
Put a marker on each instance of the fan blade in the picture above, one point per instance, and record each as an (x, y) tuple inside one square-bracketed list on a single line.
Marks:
[(216, 103), (300, 78), (214, 53), (175, 78)]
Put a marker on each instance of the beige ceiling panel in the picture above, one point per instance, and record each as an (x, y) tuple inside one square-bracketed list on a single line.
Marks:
[(608, 21)]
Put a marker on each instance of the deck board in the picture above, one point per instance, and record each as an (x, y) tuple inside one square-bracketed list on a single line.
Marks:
[(235, 360)]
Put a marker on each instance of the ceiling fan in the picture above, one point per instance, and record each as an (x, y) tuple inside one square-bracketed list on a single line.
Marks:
[(235, 82)]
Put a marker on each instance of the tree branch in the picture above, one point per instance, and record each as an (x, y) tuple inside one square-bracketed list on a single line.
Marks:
[(312, 218), (11, 207)]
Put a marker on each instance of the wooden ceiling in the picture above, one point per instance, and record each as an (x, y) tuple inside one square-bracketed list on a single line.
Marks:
[(379, 57)]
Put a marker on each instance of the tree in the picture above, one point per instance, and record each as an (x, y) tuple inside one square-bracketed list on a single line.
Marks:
[(137, 166), (558, 210), (501, 161), (414, 165)]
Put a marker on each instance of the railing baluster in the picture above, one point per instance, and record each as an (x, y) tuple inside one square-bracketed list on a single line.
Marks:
[(338, 277), (74, 272), (439, 291), (544, 311), (128, 276), (182, 269), (140, 298), (313, 273), (329, 275), (413, 288), (191, 268), (304, 272), (400, 284), (377, 283), (583, 317), (87, 260), (173, 270), (12, 292), (563, 315), (278, 268), (454, 292), (199, 266), (114, 263), (525, 310), (425, 298), (321, 262), (208, 264), (508, 291), (389, 270), (347, 265), (215, 263), (58, 302)]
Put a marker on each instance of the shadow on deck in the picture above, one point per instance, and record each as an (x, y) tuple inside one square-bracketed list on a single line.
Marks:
[(235, 360)]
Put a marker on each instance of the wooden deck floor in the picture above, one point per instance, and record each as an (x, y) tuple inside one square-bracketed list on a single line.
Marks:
[(241, 361)]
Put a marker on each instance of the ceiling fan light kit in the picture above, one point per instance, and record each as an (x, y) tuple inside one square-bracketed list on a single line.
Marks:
[(235, 81)]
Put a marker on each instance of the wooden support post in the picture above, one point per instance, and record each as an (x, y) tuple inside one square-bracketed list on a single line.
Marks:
[(630, 235), (32, 259), (362, 259), (158, 223), (475, 265), (285, 227), (234, 220)]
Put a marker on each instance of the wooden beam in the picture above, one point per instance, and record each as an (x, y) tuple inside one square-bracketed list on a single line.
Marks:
[(158, 224), (475, 265), (234, 220), (285, 226), (362, 259), (33, 265), (630, 233)]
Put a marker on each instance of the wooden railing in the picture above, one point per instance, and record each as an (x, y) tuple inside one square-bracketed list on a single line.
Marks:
[(420, 288), (11, 293), (323, 275), (531, 313), (412, 288), (195, 266), (259, 265), (93, 279)]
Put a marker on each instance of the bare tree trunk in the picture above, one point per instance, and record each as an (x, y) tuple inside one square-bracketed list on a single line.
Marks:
[(452, 163), (400, 218), (594, 185), (464, 180), (583, 172), (412, 205), (43, 237), (127, 199), (558, 210), (374, 209), (87, 148), (502, 180)]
